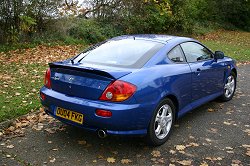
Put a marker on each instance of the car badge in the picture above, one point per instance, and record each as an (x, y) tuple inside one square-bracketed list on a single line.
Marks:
[(71, 79)]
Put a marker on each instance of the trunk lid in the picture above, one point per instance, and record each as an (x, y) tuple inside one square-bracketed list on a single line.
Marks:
[(82, 81)]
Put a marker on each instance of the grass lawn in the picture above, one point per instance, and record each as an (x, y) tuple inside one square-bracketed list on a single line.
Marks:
[(233, 44), (22, 71)]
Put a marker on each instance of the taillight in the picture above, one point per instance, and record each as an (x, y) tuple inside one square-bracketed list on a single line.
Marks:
[(47, 81), (118, 91), (103, 113)]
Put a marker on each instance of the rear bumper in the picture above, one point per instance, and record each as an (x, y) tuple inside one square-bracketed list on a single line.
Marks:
[(127, 119)]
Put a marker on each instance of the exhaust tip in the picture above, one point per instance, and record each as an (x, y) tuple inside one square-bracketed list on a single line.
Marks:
[(101, 134)]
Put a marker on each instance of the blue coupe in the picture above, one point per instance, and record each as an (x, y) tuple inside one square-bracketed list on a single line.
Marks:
[(137, 85)]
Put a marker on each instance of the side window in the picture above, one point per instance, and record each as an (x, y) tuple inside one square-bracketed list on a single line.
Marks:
[(176, 55), (195, 52)]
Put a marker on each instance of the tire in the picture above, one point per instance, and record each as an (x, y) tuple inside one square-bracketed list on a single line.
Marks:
[(229, 88), (161, 124)]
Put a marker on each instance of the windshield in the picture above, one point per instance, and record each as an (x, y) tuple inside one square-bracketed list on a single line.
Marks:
[(121, 53)]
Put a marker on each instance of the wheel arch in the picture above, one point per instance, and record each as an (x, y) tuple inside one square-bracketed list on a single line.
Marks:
[(234, 71), (175, 101)]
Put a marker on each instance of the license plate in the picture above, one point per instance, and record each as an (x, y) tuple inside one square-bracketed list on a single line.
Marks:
[(69, 115)]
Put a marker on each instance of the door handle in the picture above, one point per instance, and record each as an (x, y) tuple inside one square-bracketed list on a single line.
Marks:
[(198, 72)]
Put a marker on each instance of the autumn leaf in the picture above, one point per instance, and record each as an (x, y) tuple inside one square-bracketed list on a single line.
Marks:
[(156, 153), (10, 146), (248, 153), (204, 164), (111, 160), (227, 123), (52, 160), (180, 147), (214, 158), (126, 161), (229, 148), (246, 146), (172, 152), (83, 142), (211, 110), (185, 162), (193, 144)]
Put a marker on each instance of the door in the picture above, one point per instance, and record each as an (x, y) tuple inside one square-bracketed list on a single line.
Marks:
[(207, 74)]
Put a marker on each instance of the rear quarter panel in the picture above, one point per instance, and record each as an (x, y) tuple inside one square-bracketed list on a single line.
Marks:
[(155, 83)]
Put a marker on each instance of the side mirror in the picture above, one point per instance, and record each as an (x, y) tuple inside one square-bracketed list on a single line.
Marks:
[(218, 55)]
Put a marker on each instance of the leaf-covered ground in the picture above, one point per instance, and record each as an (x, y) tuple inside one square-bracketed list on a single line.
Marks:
[(22, 74), (235, 44)]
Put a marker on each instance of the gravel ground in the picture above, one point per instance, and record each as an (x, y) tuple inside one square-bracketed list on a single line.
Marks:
[(214, 134)]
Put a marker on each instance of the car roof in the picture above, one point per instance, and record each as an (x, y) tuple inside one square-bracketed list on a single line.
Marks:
[(152, 37)]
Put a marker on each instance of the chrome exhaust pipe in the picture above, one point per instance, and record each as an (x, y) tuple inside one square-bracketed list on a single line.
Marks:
[(101, 134)]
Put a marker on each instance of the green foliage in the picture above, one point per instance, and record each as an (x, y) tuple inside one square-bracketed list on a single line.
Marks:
[(91, 31), (27, 23), (41, 21)]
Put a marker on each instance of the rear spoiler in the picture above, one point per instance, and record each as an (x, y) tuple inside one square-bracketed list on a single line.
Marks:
[(108, 74)]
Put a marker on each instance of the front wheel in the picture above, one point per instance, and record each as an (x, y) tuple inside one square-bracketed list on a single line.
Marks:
[(229, 88), (161, 123)]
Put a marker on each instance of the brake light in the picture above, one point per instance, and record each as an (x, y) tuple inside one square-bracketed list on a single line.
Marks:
[(103, 113), (47, 81), (118, 91)]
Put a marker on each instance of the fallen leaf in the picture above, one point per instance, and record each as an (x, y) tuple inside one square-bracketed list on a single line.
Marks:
[(248, 153), (94, 161), (17, 94), (193, 144), (229, 148), (230, 152), (180, 147), (55, 149), (214, 158), (161, 160), (210, 110), (246, 146), (208, 140), (49, 142), (8, 156), (52, 160), (156, 153), (172, 152), (204, 164), (185, 162), (126, 161), (83, 142), (11, 129), (10, 146), (227, 123), (111, 160)]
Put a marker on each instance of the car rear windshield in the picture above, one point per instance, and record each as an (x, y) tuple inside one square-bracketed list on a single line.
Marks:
[(128, 53)]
